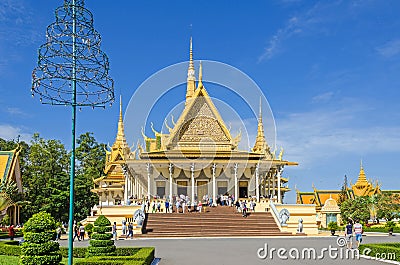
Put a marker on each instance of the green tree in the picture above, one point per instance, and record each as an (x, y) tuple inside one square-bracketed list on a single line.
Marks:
[(388, 206), (357, 208), (45, 178), (343, 191), (91, 160)]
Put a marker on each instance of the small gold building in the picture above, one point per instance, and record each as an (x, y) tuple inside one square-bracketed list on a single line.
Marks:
[(197, 158), (326, 201), (10, 171)]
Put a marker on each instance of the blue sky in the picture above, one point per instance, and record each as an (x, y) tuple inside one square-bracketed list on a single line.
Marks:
[(329, 69)]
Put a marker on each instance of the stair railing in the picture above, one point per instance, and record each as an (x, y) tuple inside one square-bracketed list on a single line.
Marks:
[(278, 219)]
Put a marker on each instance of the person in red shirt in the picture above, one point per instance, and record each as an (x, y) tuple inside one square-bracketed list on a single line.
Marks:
[(11, 232)]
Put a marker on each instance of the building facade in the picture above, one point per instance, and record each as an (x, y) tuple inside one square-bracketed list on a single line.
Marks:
[(197, 158)]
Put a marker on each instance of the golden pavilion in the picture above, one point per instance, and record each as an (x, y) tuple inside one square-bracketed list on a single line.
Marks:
[(10, 171), (198, 157), (326, 201)]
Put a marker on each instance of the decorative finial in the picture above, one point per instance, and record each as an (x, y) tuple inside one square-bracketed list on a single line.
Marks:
[(191, 64), (201, 72), (120, 108), (361, 165), (260, 113)]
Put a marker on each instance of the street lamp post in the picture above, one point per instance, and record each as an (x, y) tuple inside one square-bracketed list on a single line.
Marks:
[(72, 71)]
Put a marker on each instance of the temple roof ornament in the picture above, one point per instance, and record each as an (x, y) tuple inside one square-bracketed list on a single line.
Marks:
[(191, 79), (261, 146)]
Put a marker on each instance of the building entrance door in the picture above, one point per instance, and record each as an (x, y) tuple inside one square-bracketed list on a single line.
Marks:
[(202, 189), (243, 189), (182, 187)]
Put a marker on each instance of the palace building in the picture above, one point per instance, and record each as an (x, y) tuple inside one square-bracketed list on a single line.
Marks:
[(198, 157), (326, 201)]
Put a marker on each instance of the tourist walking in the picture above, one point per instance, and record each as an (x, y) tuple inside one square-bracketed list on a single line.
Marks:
[(76, 232), (153, 206), (82, 232), (358, 229), (124, 231), (58, 233), (166, 206), (349, 234), (159, 206), (200, 206), (130, 230), (183, 206), (114, 231), (244, 209)]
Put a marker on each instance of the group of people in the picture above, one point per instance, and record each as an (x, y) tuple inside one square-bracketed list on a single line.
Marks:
[(79, 232), (127, 230), (356, 229), (183, 204), (241, 206)]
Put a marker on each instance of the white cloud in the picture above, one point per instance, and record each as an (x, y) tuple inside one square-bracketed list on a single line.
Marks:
[(310, 136), (324, 97), (273, 46), (389, 49), (16, 111), (10, 132)]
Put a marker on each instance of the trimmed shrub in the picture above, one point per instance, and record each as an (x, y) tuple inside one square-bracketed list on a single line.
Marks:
[(38, 248), (89, 230), (101, 243), (107, 236), (10, 248)]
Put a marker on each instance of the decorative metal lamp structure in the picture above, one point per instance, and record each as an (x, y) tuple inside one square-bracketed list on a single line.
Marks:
[(72, 71)]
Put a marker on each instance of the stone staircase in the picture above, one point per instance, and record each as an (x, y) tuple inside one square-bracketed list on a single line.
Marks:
[(213, 222)]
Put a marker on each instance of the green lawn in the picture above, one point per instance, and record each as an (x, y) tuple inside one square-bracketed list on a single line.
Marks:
[(8, 260)]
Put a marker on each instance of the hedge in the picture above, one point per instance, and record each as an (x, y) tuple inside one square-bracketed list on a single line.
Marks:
[(380, 250), (143, 256), (10, 248), (76, 253)]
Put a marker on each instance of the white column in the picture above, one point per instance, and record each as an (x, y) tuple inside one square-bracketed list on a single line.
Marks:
[(214, 167), (148, 167), (235, 168), (279, 184), (126, 188), (192, 178), (170, 182), (257, 183)]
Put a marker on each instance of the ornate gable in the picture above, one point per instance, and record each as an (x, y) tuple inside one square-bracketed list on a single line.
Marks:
[(200, 126)]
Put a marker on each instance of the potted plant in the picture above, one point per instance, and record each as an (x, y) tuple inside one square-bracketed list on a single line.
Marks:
[(390, 225), (333, 226)]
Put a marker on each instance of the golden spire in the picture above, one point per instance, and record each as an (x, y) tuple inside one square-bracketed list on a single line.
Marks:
[(190, 87), (362, 179), (200, 84), (260, 145), (120, 140)]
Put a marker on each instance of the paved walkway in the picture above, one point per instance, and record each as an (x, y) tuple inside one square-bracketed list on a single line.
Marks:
[(231, 251)]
